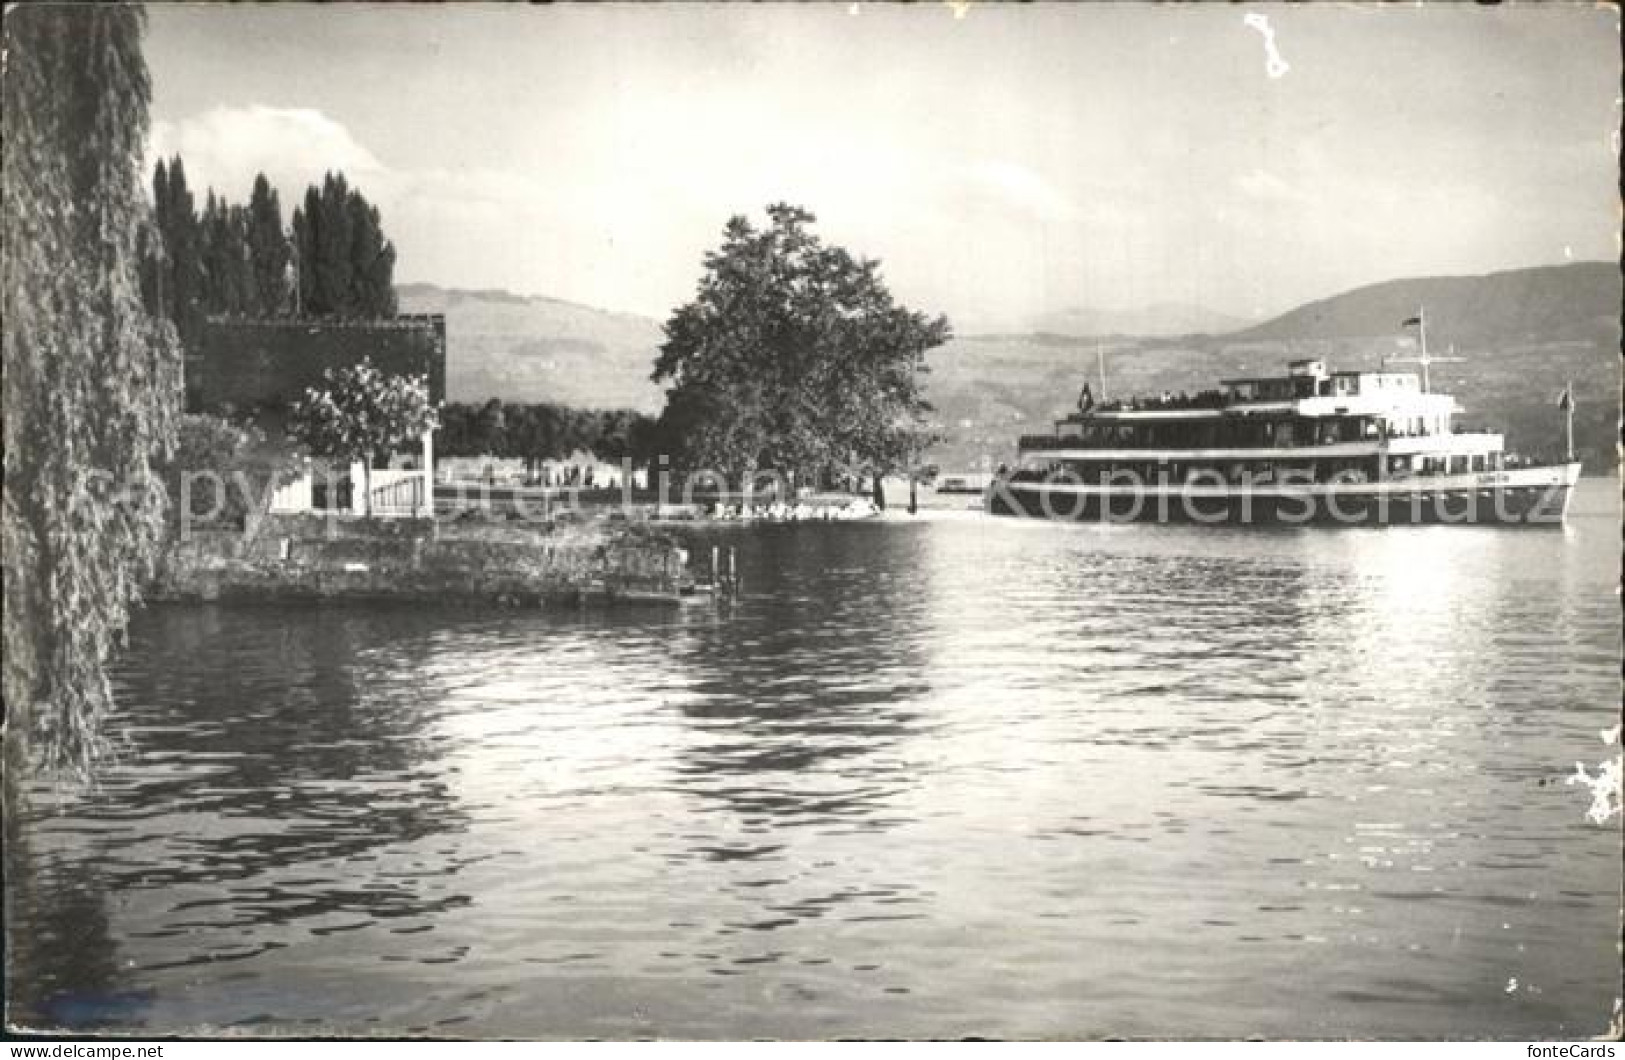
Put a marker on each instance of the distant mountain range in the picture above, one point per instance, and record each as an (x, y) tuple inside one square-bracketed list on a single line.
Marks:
[(1556, 303), (1522, 334)]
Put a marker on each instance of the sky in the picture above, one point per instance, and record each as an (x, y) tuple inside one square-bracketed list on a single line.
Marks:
[(1002, 162)]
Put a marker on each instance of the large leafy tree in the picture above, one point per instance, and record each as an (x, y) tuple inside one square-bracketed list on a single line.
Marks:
[(361, 414), (92, 380), (794, 356)]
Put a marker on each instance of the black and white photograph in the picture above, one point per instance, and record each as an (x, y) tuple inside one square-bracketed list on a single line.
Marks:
[(830, 521)]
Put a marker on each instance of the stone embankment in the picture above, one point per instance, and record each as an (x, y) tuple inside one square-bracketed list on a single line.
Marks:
[(319, 558)]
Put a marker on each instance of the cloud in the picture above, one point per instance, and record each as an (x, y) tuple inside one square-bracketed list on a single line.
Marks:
[(225, 147)]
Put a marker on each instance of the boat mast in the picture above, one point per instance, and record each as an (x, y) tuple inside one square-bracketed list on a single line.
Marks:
[(1425, 359), (1567, 404), (1100, 359), (1422, 336)]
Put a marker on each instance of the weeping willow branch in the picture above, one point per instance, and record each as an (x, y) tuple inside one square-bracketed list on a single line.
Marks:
[(91, 379)]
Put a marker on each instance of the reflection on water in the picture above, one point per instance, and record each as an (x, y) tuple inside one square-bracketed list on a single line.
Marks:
[(813, 682), (946, 778)]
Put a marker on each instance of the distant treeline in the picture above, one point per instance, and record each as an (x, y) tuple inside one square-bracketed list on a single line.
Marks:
[(537, 432), (238, 260)]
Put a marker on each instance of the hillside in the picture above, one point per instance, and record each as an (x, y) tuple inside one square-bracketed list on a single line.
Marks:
[(1552, 304), (1521, 335), (521, 348)]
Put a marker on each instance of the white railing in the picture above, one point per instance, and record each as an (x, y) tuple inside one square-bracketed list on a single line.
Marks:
[(398, 492)]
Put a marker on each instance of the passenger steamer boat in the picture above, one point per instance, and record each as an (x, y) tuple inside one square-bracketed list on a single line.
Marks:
[(1312, 446)]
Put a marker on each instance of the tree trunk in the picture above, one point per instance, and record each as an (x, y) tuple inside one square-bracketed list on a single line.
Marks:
[(913, 494), (879, 493), (366, 488)]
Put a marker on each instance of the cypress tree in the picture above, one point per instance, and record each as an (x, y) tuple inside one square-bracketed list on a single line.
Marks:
[(155, 287), (183, 244), (372, 261), (214, 286), (244, 278), (237, 260), (304, 250), (334, 266), (267, 249)]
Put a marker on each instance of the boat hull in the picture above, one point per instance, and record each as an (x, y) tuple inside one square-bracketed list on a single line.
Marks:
[(1521, 497)]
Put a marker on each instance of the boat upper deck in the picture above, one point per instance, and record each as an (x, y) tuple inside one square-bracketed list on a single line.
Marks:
[(1307, 390), (1308, 407)]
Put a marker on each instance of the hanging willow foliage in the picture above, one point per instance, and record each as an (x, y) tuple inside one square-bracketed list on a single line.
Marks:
[(91, 380)]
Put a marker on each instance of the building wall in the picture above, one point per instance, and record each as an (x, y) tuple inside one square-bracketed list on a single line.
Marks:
[(265, 365)]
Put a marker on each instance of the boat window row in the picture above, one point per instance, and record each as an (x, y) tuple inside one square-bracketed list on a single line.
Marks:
[(1309, 385), (1227, 433)]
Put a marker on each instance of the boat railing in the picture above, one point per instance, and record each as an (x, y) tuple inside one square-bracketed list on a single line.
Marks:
[(1206, 399)]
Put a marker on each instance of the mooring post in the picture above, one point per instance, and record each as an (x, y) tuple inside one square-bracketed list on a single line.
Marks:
[(733, 573), (716, 571)]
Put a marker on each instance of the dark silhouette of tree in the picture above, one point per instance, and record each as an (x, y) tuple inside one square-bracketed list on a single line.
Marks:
[(537, 432), (229, 286), (491, 429), (238, 261), (794, 356), (91, 381), (180, 286), (528, 435), (372, 261), (346, 265), (268, 250)]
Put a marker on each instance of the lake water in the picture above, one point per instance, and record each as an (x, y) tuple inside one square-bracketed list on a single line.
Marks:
[(942, 778)]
